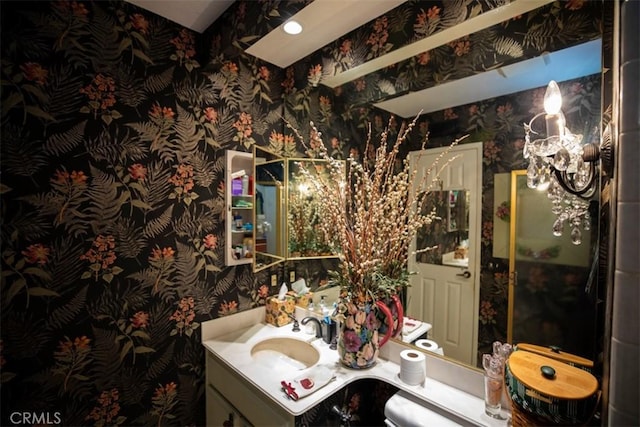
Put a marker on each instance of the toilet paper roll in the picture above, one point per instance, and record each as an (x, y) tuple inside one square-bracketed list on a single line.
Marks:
[(412, 367), (429, 345)]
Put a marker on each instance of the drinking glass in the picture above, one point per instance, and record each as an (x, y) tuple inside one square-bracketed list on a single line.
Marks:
[(492, 395)]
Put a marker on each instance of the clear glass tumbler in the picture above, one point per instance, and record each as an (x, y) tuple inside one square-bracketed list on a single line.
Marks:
[(492, 395)]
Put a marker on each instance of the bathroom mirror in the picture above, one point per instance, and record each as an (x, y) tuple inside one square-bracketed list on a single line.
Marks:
[(446, 240), (551, 292), (269, 214), (445, 80), (502, 136), (305, 238)]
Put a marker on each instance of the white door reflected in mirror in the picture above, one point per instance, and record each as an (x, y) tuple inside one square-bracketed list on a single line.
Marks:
[(445, 289)]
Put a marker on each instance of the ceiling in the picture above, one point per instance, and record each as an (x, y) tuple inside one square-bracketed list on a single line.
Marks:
[(344, 16), (566, 64), (195, 14), (347, 15)]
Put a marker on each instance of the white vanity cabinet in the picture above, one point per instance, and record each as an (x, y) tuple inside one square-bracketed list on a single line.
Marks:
[(241, 390), (221, 413), (239, 208), (233, 401)]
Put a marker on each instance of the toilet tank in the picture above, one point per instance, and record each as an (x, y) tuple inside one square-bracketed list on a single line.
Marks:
[(405, 410)]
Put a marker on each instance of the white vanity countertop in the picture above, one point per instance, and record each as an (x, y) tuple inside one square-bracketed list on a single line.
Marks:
[(234, 349)]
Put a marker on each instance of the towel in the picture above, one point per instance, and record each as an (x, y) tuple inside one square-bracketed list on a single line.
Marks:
[(410, 325), (304, 384)]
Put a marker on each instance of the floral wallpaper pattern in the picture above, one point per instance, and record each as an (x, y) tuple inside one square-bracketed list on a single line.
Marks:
[(114, 126), (558, 25), (113, 142)]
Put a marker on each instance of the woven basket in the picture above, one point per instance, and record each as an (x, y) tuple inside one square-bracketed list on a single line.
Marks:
[(522, 418), (566, 395)]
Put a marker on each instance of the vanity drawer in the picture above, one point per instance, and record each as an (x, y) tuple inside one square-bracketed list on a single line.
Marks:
[(252, 404)]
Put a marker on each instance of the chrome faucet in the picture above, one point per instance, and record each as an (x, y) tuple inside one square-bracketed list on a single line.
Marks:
[(316, 321)]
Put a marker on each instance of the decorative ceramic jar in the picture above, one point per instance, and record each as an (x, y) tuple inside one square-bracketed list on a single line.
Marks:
[(397, 312), (359, 340)]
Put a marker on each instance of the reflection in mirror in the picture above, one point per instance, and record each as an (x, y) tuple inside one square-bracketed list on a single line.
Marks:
[(552, 298), (268, 231), (305, 237), (446, 240), (494, 118)]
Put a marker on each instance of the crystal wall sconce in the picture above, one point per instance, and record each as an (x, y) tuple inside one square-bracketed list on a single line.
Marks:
[(564, 167)]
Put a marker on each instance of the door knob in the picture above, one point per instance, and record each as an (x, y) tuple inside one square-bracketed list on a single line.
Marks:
[(466, 274)]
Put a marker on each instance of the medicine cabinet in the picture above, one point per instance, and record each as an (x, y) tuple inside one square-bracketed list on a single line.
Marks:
[(239, 208)]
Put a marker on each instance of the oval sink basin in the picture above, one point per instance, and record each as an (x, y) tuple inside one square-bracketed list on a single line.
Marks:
[(285, 352)]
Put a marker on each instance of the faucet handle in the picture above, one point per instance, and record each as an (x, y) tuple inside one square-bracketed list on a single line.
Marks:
[(296, 325)]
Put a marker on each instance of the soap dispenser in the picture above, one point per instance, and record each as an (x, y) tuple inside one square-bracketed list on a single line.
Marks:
[(324, 310)]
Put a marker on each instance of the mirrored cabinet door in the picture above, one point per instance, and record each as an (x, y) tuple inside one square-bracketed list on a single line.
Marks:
[(305, 237), (269, 215)]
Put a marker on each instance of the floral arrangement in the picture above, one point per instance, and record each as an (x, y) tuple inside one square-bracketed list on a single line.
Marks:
[(373, 213)]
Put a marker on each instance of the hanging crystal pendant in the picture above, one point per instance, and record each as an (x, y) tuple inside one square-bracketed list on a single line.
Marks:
[(558, 227), (583, 174), (544, 179), (561, 159), (532, 175), (576, 235), (558, 191), (586, 222)]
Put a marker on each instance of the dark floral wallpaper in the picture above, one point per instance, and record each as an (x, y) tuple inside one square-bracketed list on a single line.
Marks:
[(114, 126), (113, 140)]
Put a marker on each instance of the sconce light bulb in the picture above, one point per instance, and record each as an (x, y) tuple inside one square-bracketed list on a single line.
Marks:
[(552, 98), (304, 189)]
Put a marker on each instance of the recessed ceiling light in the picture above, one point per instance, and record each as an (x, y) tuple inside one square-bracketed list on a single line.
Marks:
[(292, 27)]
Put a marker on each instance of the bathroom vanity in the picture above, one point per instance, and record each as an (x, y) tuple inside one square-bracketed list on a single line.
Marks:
[(243, 389), (232, 400)]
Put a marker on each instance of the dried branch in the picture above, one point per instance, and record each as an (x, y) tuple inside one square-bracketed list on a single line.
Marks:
[(372, 211)]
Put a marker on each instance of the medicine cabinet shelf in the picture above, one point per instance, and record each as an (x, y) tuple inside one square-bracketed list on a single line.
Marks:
[(239, 207)]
